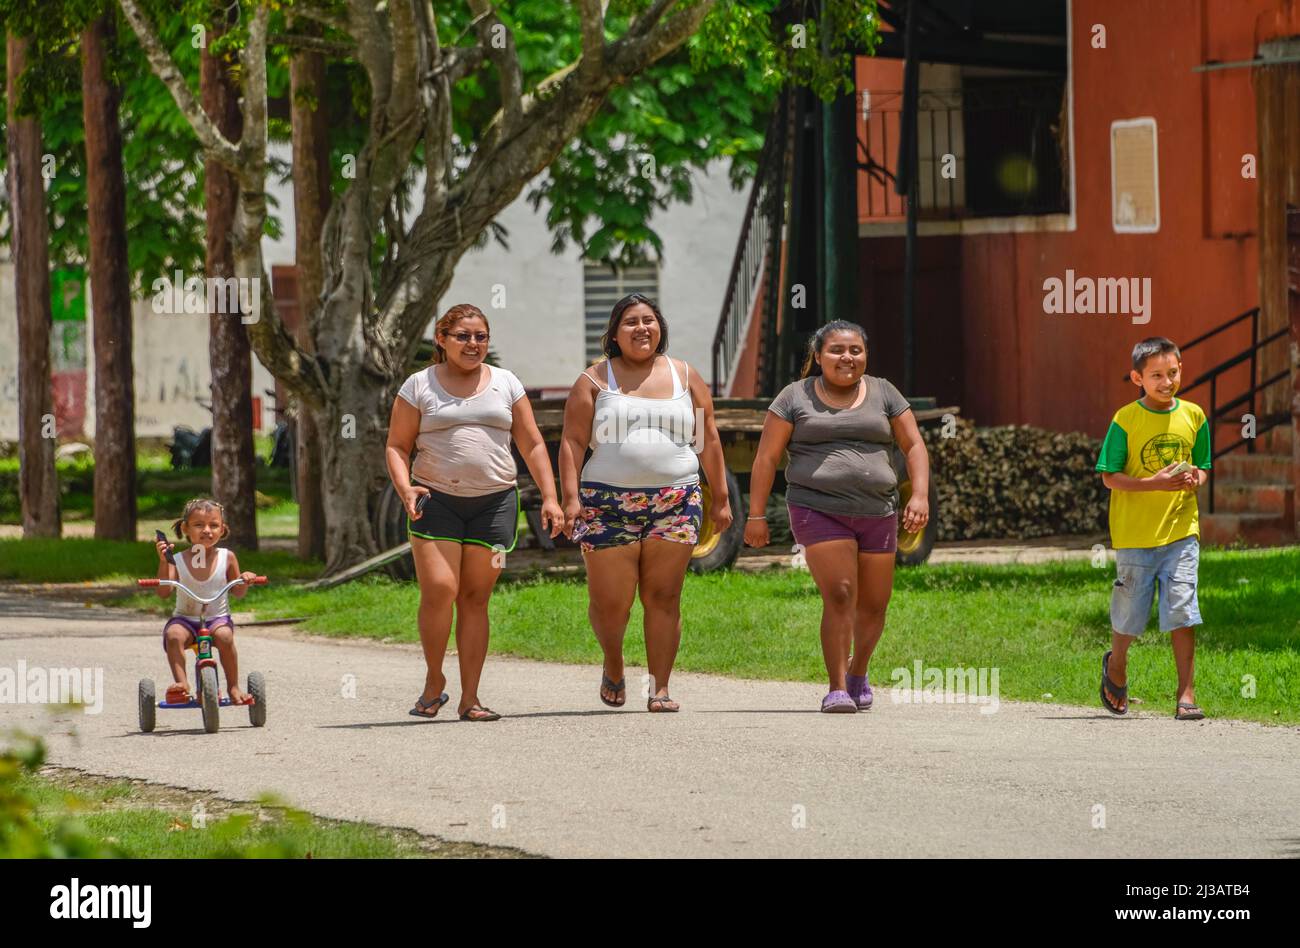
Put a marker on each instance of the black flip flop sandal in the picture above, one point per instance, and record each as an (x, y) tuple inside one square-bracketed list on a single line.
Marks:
[(421, 710), (1107, 685), (614, 686), (661, 709), (1194, 713), (487, 715)]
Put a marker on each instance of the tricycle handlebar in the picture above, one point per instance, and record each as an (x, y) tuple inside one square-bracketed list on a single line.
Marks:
[(255, 581)]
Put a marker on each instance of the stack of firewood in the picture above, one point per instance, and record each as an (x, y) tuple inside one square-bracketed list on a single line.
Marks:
[(1015, 482)]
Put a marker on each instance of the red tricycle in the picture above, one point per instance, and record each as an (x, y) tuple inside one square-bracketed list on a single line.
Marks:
[(210, 699)]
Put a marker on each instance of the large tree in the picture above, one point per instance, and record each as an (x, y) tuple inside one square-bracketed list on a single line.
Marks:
[(311, 201), (543, 70), (229, 354), (38, 485), (110, 286)]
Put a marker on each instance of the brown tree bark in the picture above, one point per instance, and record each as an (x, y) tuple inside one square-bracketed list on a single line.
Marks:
[(38, 483), (110, 289), (311, 201), (233, 461)]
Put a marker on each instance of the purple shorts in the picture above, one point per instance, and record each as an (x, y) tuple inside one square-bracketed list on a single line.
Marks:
[(874, 534), (193, 627)]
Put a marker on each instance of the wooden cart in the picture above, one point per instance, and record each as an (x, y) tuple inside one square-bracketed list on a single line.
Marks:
[(740, 423)]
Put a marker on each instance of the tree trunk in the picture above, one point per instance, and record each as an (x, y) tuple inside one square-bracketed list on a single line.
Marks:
[(110, 290), (233, 473), (356, 420), (311, 200), (38, 483)]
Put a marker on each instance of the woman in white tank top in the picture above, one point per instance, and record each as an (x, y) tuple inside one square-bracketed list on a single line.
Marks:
[(636, 511)]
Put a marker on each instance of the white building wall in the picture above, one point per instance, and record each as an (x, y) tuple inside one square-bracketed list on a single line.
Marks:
[(538, 333)]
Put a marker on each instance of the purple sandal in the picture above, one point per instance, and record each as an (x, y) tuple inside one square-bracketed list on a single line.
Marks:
[(859, 690), (839, 702)]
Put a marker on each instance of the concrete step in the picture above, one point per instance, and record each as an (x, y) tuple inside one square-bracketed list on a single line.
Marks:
[(1233, 497), (1246, 529), (1241, 467)]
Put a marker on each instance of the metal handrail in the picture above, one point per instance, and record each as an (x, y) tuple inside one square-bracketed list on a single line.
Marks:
[(751, 251), (1211, 376)]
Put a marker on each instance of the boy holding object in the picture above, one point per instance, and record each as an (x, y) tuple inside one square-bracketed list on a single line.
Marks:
[(1155, 456)]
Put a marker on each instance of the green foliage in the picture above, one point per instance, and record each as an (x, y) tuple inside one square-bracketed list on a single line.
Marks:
[(707, 102), (22, 835), (161, 157)]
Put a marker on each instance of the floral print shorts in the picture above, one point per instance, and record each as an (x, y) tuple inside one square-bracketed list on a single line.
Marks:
[(615, 516)]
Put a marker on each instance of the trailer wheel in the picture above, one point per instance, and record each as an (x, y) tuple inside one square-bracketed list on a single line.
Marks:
[(915, 548), (719, 550), (389, 525)]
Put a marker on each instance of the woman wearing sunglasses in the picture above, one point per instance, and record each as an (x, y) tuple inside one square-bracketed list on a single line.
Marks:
[(460, 494)]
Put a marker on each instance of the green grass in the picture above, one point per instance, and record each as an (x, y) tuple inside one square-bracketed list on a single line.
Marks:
[(160, 492), (71, 560), (1044, 626), (134, 821)]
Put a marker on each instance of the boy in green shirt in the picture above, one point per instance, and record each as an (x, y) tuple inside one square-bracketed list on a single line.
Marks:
[(1155, 456)]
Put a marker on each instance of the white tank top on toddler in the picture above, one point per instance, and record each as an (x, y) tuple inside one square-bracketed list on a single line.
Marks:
[(642, 442), (186, 605)]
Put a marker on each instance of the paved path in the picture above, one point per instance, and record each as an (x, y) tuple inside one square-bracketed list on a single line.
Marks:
[(734, 774)]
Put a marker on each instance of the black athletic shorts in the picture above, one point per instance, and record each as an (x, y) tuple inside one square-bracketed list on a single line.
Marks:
[(490, 520)]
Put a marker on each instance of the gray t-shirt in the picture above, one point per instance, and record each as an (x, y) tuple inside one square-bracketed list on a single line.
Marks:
[(840, 457), (464, 443)]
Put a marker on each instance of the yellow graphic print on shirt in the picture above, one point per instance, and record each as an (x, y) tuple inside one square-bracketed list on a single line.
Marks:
[(1141, 442)]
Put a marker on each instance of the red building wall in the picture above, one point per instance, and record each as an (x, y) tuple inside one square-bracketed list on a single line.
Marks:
[(1021, 365)]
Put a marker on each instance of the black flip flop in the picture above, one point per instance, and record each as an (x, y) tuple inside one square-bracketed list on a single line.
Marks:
[(490, 715), (650, 705), (421, 710), (614, 686), (1194, 713), (1107, 684)]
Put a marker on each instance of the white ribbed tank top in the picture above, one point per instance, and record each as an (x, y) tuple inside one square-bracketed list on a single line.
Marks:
[(187, 605), (642, 442)]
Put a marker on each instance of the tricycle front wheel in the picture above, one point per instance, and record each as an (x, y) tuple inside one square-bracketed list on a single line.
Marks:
[(210, 699)]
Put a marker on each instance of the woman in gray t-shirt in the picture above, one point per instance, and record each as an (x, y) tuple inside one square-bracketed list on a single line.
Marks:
[(839, 425)]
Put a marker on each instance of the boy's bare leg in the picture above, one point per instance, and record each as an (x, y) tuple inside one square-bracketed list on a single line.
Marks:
[(223, 636), (1117, 667), (1184, 643)]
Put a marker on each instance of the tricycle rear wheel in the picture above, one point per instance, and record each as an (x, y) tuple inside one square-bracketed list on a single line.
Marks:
[(209, 699), (257, 688), (148, 705)]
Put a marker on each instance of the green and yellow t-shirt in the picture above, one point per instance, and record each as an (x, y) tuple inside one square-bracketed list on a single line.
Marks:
[(1140, 442)]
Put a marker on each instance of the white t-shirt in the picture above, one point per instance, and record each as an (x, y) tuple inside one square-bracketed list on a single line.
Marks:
[(464, 443)]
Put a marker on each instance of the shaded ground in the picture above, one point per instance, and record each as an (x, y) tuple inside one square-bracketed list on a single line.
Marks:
[(747, 768)]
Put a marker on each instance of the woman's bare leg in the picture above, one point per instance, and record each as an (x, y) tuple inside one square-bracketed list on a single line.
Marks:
[(875, 586), (478, 575), (663, 571), (611, 586), (834, 568), (437, 567)]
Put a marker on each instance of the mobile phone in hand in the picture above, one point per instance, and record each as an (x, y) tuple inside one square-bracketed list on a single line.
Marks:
[(159, 535), (419, 505), (1182, 468)]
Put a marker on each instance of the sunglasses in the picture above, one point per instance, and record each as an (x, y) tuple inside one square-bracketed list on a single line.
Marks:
[(464, 337)]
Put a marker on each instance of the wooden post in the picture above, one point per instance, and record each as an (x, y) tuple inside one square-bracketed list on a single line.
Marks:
[(1277, 108)]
